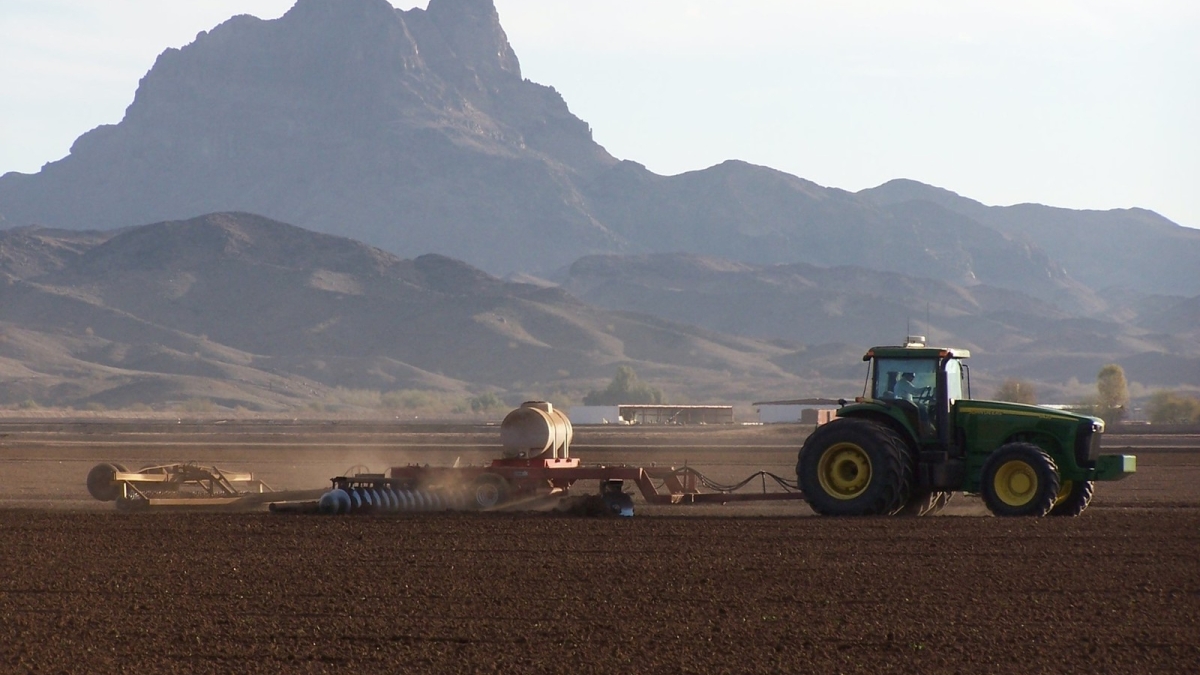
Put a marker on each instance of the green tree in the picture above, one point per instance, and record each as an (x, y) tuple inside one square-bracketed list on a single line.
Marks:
[(1017, 391), (485, 402), (1112, 392), (624, 388), (1168, 407)]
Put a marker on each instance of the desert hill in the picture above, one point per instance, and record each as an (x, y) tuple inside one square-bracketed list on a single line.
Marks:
[(414, 131), (246, 311)]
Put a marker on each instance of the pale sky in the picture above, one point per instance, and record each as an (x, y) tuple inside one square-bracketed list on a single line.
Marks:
[(1076, 103)]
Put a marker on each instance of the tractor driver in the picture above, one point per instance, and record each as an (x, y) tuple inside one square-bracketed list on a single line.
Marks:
[(905, 389)]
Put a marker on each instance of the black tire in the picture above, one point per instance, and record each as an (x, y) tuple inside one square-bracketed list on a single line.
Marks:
[(1073, 497), (925, 503), (100, 482), (1019, 479), (855, 467), (489, 491)]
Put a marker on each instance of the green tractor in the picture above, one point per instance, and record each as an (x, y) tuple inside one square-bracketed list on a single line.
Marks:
[(916, 437)]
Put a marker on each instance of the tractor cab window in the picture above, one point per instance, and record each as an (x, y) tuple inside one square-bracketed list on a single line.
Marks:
[(910, 384), (905, 379)]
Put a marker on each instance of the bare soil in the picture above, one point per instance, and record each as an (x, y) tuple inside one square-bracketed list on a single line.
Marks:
[(731, 589)]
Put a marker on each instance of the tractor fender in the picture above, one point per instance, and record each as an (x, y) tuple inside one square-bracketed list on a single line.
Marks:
[(887, 416)]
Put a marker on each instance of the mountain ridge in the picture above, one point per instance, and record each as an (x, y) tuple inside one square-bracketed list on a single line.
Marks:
[(245, 311), (1087, 241)]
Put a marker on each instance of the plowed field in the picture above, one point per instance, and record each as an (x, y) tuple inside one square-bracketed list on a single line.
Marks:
[(734, 589)]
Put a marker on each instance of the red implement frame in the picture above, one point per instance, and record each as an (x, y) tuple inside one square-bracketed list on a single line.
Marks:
[(658, 485)]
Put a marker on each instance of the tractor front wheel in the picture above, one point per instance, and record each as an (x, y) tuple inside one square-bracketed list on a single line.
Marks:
[(1019, 479), (1073, 497), (855, 467)]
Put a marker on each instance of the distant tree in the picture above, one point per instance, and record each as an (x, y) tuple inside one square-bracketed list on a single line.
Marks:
[(624, 388), (1017, 391), (485, 402), (1168, 407), (1112, 392)]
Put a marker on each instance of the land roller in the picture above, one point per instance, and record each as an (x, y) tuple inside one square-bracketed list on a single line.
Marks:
[(178, 485)]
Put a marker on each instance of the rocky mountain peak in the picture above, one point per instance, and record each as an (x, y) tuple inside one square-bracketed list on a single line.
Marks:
[(472, 30), (341, 9)]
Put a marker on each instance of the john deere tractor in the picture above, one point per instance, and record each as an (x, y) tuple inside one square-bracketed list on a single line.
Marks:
[(916, 437)]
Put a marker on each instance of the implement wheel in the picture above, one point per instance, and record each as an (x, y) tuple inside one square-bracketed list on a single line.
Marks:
[(1073, 497), (855, 467), (489, 491), (1019, 479), (100, 482)]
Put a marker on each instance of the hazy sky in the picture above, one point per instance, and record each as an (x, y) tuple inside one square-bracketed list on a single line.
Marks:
[(1075, 103)]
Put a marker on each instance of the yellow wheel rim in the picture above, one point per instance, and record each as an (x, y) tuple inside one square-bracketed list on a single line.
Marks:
[(1064, 491), (1016, 483), (844, 470)]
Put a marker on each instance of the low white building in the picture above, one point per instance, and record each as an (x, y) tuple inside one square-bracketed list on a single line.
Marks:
[(651, 413), (594, 414), (777, 414)]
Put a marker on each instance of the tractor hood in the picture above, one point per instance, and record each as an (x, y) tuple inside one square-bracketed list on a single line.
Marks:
[(977, 407)]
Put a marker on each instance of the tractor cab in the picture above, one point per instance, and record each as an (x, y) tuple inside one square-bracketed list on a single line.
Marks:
[(918, 386)]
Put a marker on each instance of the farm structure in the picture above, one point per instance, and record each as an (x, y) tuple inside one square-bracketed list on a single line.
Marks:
[(785, 413), (631, 413)]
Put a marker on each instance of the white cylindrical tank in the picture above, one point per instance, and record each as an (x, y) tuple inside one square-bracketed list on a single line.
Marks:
[(535, 429)]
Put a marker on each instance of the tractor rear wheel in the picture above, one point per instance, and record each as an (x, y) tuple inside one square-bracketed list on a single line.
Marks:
[(855, 467), (1073, 497), (1019, 479)]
